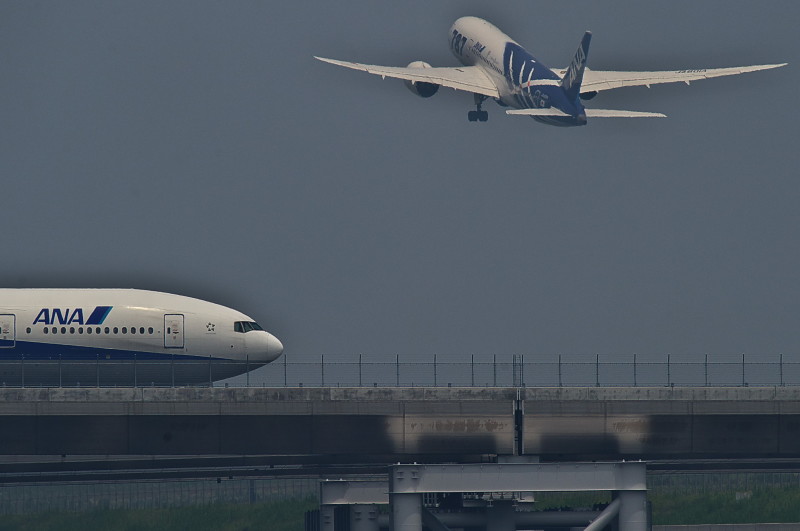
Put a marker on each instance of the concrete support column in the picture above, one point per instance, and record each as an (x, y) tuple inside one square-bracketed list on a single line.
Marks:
[(406, 512), (326, 519), (364, 517), (501, 516), (632, 510)]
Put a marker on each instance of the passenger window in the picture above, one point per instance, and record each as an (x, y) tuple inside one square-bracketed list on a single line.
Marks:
[(150, 330), (124, 330), (45, 330), (88, 329), (28, 330), (55, 330), (71, 329), (107, 330), (133, 330), (63, 329), (80, 329), (141, 330), (97, 330), (116, 330)]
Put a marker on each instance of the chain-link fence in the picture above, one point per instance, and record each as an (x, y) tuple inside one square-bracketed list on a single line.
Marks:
[(330, 371)]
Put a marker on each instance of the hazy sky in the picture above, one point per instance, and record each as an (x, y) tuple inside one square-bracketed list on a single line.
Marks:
[(197, 148)]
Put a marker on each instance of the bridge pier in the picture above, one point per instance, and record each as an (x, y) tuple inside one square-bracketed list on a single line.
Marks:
[(499, 485)]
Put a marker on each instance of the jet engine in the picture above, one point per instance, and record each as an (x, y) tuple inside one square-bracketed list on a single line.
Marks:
[(423, 90)]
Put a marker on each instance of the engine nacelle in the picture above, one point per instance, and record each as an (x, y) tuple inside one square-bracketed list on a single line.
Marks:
[(588, 95), (423, 90)]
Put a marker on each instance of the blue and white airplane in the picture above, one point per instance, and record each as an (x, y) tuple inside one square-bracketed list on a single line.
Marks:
[(497, 67), (124, 336)]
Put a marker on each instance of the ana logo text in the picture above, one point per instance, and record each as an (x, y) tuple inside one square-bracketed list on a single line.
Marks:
[(66, 316)]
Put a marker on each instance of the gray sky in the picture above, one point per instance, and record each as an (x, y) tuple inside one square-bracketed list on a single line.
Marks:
[(197, 148)]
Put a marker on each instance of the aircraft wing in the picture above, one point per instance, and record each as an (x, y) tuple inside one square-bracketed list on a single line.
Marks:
[(468, 78), (597, 80)]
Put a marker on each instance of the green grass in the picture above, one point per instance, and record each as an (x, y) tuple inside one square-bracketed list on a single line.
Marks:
[(275, 516), (765, 505), (672, 507), (762, 505)]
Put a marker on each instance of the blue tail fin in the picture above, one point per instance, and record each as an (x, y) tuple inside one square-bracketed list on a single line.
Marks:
[(574, 76)]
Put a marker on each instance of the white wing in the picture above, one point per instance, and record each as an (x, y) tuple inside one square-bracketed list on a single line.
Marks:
[(597, 80), (590, 113), (468, 78)]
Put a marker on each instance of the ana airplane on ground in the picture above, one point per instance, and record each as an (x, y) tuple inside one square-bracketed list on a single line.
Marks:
[(124, 337), (497, 67)]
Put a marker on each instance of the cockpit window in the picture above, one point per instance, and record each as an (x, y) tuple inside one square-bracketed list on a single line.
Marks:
[(246, 326)]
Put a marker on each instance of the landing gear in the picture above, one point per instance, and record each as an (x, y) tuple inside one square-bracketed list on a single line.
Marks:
[(478, 115)]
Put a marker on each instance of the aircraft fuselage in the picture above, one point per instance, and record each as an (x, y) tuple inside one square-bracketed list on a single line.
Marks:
[(522, 80)]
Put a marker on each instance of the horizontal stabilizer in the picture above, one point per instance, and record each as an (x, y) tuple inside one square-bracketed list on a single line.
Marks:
[(607, 113), (550, 111)]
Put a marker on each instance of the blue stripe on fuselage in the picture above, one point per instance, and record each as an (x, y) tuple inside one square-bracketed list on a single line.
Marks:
[(98, 315), (50, 351)]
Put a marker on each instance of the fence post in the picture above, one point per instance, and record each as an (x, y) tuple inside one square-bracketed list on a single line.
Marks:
[(98, 370), (322, 368), (172, 367), (744, 384), (397, 369), (285, 379), (560, 384), (247, 368), (210, 382), (59, 370), (706, 367), (669, 377), (781, 368), (359, 370), (597, 370), (472, 368), (22, 367), (634, 370), (494, 363), (435, 375), (134, 370), (522, 362)]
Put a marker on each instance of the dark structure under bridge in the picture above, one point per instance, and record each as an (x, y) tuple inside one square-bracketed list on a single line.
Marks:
[(382, 425)]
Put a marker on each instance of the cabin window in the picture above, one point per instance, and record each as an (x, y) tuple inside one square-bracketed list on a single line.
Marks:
[(141, 330), (116, 330), (28, 330), (97, 330), (80, 329), (45, 330), (63, 329), (107, 330), (124, 329), (55, 330), (71, 329), (150, 330), (133, 330), (88, 329)]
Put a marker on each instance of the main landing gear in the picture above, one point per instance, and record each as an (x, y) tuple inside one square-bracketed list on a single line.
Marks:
[(478, 115)]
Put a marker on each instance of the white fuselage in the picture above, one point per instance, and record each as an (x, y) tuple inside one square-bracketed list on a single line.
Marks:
[(118, 326)]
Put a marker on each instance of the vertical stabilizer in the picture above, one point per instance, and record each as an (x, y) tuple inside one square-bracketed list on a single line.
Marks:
[(574, 76)]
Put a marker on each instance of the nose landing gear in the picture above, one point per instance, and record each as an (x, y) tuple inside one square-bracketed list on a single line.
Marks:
[(478, 115)]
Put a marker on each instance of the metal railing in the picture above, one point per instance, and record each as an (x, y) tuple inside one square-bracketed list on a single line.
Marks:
[(329, 371)]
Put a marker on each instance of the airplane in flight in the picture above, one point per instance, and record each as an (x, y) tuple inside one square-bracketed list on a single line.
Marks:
[(497, 67), (54, 337)]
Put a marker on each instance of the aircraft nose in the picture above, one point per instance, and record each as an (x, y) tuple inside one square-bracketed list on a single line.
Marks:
[(263, 347), (274, 347)]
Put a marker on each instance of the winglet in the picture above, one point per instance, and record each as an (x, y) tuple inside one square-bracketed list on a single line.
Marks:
[(574, 76)]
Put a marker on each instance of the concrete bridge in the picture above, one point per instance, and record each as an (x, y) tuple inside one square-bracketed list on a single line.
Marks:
[(382, 425)]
